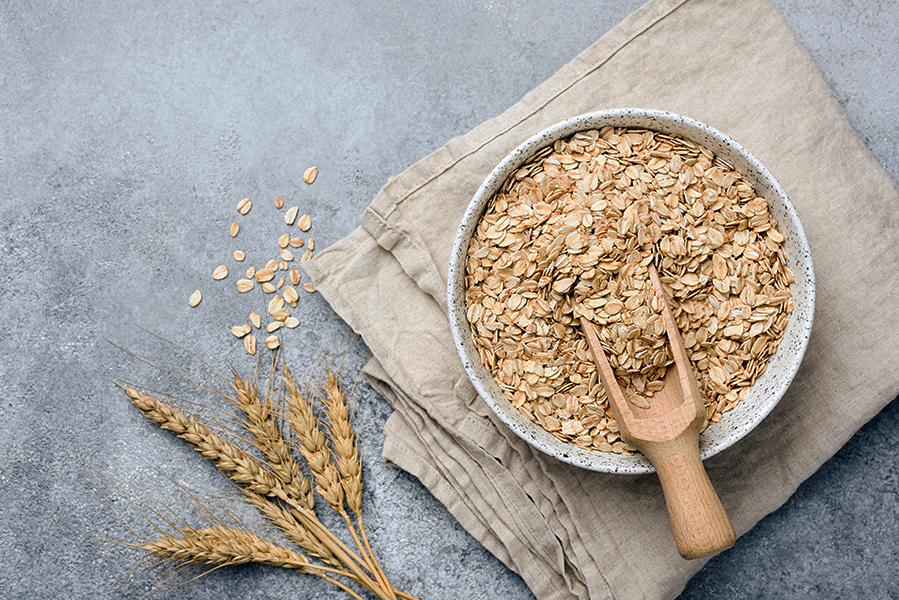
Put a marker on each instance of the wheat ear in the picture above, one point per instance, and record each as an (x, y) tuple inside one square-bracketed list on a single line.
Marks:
[(262, 423), (344, 441), (243, 469), (222, 545), (314, 448), (239, 466), (313, 444), (350, 468)]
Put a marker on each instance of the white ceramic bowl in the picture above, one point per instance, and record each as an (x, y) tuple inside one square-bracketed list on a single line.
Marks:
[(767, 390)]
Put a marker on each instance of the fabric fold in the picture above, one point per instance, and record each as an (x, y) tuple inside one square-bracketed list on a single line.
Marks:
[(571, 533)]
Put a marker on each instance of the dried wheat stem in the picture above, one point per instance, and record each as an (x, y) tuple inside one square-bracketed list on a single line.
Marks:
[(243, 469), (314, 447), (264, 426), (347, 556), (348, 464)]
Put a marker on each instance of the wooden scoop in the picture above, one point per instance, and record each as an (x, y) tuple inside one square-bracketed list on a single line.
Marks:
[(667, 433)]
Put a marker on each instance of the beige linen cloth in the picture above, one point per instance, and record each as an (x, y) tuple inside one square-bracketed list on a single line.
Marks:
[(572, 533)]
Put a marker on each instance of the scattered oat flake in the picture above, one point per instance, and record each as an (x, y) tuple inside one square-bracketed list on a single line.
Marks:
[(275, 303), (306, 256), (279, 202), (251, 272), (240, 330), (235, 227), (291, 215), (286, 255), (284, 240), (294, 277), (268, 288), (220, 272), (311, 244), (296, 242), (271, 265), (281, 314), (245, 285), (309, 287), (249, 342), (282, 265), (309, 174), (264, 275), (195, 298), (271, 342), (238, 255), (255, 319), (304, 223), (244, 206), (291, 296), (273, 326), (291, 322), (280, 283)]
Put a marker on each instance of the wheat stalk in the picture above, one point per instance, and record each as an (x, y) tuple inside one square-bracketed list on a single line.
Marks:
[(276, 486), (314, 448), (243, 469), (348, 464)]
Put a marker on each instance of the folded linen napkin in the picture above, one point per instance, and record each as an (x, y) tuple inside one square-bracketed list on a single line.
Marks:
[(571, 533)]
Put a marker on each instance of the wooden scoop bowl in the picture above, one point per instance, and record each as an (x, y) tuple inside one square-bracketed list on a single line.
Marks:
[(667, 433)]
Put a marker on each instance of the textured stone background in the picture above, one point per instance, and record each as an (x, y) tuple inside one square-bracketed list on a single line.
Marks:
[(129, 130)]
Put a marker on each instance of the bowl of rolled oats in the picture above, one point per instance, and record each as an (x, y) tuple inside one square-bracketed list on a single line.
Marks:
[(566, 226)]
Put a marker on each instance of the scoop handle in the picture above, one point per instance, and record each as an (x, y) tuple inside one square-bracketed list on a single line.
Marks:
[(698, 520)]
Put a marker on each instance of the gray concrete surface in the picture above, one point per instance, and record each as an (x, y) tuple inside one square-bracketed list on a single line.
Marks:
[(128, 131)]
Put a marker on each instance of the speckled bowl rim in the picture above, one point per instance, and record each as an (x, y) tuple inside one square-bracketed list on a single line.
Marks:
[(782, 367)]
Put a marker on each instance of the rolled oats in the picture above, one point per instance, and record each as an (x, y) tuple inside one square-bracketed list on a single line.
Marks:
[(291, 215)]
